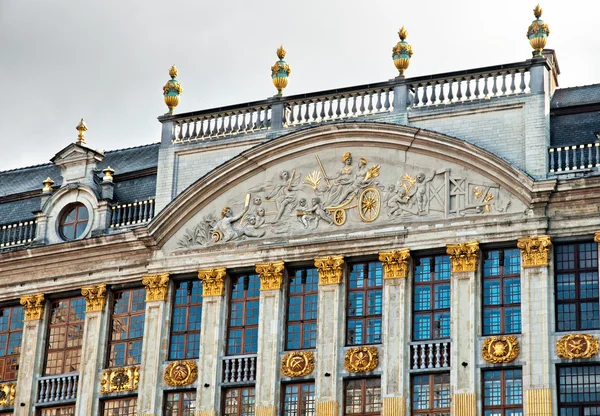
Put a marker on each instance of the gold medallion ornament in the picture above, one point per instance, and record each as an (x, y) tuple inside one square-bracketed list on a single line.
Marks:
[(120, 379), (297, 363), (395, 263), (156, 287), (33, 306), (463, 256), (361, 359), (213, 281), (331, 270), (95, 297), (503, 349), (577, 346), (534, 250), (181, 373), (7, 394), (271, 275)]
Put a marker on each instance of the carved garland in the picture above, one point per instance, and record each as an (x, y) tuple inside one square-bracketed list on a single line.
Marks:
[(577, 346), (156, 287), (463, 256), (534, 250), (7, 394), (95, 297), (33, 306), (120, 379), (395, 263), (502, 349), (297, 363), (181, 373), (361, 359), (213, 281), (331, 270), (271, 275)]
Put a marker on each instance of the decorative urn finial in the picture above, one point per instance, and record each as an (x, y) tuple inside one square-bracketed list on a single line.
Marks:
[(280, 72), (538, 33), (108, 174), (172, 90), (402, 52), (81, 128), (48, 182)]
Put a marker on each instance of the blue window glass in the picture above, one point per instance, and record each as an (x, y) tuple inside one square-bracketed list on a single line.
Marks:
[(302, 309), (11, 334), (364, 304), (502, 392), (431, 298), (501, 291), (242, 326), (186, 320)]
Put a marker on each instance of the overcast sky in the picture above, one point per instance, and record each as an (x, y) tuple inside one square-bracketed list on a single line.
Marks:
[(107, 61)]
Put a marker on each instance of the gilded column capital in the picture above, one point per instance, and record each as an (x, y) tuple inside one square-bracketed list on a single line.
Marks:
[(33, 305), (156, 287), (534, 250), (95, 297), (331, 270), (463, 256), (213, 281), (271, 275), (395, 263), (597, 237)]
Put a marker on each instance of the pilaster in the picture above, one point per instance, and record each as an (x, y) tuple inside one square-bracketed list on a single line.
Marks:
[(395, 381), (270, 326), (31, 354), (464, 261), (536, 313), (211, 339), (91, 359), (149, 396), (329, 334)]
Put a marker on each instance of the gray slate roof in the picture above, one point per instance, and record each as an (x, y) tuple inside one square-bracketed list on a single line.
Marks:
[(574, 96), (575, 116)]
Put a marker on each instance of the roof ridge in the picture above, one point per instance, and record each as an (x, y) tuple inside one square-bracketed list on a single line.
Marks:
[(27, 167), (132, 147), (578, 86)]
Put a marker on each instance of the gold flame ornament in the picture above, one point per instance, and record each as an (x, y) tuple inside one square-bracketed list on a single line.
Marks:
[(280, 72), (402, 52), (81, 128), (172, 90), (538, 32)]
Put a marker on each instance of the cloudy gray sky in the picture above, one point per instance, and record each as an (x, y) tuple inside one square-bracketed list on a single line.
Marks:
[(61, 60)]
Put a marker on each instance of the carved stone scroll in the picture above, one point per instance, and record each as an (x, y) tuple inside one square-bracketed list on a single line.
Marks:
[(395, 263), (33, 306), (463, 256), (534, 250), (271, 275), (213, 281), (156, 287), (331, 270), (95, 297)]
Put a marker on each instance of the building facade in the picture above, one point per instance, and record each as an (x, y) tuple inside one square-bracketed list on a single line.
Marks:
[(423, 246)]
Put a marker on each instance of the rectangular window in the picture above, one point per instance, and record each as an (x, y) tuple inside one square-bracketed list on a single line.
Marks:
[(187, 317), (11, 334), (301, 327), (431, 394), (576, 267), (502, 392), (238, 402), (579, 390), (57, 411), (126, 327), (365, 303), (65, 336), (181, 403), (125, 406), (502, 292), (431, 298), (242, 326), (299, 399), (362, 397)]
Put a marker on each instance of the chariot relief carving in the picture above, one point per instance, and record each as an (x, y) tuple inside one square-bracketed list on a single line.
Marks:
[(325, 192)]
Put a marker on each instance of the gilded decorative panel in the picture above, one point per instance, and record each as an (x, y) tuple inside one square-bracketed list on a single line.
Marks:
[(327, 409), (331, 270), (7, 394), (120, 379), (213, 281), (181, 373), (33, 306), (297, 363), (394, 406), (395, 263), (464, 404), (501, 349), (95, 297), (156, 287), (265, 411), (361, 359), (538, 402), (463, 256), (534, 250), (271, 275), (573, 346)]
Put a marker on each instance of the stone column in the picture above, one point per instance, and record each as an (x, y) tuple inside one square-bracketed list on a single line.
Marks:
[(211, 341), (536, 312), (94, 327), (149, 391), (463, 258), (270, 327), (31, 357), (395, 380), (329, 334)]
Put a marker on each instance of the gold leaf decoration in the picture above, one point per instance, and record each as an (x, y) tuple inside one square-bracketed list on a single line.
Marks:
[(361, 359), (271, 275), (297, 363), (331, 269), (395, 263), (502, 349), (574, 346), (213, 281), (463, 256), (120, 379), (181, 373)]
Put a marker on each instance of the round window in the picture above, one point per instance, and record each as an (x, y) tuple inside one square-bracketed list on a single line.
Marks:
[(73, 221)]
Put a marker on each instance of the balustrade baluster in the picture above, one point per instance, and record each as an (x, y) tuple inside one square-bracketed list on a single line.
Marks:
[(245, 369), (424, 99), (442, 97), (433, 98), (486, 91), (468, 92), (559, 164), (267, 119), (415, 357), (379, 105), (370, 107), (551, 160), (503, 88), (314, 113), (581, 156), (430, 356), (597, 146), (258, 121), (227, 371), (386, 104), (459, 89), (423, 352), (450, 95), (180, 128), (322, 106), (445, 354), (252, 368), (494, 85), (42, 396), (512, 82), (416, 100), (362, 103), (477, 92), (186, 126), (354, 109), (438, 356), (306, 115), (522, 85), (338, 103)]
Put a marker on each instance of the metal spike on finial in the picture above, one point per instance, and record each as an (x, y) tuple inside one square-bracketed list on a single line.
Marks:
[(537, 12), (403, 33), (173, 71), (81, 128), (538, 33), (402, 52), (281, 52), (172, 90), (280, 72)]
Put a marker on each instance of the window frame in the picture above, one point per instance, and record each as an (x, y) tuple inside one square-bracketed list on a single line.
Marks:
[(65, 324), (127, 341), (301, 394), (502, 306), (76, 207), (503, 407), (365, 290), (363, 392), (302, 322), (40, 412), (7, 358), (240, 390), (187, 332), (118, 399), (579, 405), (180, 401), (245, 301), (431, 411)]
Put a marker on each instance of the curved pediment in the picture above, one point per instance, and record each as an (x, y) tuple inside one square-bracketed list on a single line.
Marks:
[(350, 176)]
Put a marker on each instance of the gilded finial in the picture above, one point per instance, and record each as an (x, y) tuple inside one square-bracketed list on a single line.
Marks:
[(108, 174), (81, 128), (402, 52), (280, 72), (538, 33), (537, 12), (403, 33), (48, 182), (172, 90)]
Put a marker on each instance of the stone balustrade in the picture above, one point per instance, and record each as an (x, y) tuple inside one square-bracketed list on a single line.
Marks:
[(430, 354), (18, 233), (572, 158), (239, 369), (132, 213), (57, 388)]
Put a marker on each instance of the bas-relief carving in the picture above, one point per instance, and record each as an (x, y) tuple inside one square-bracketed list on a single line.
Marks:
[(322, 192)]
